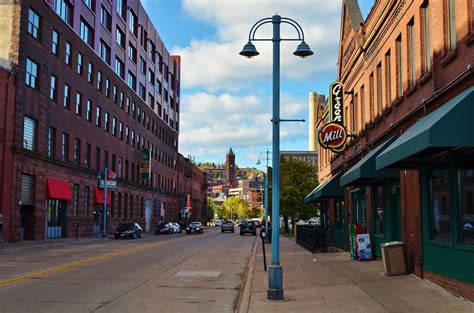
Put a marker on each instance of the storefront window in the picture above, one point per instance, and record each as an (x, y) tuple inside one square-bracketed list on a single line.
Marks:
[(379, 212), (466, 177), (340, 221), (440, 205)]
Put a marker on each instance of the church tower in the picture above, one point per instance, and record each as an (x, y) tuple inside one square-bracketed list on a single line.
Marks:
[(230, 169)]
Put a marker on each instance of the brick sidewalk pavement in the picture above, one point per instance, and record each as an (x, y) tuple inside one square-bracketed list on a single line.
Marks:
[(331, 282)]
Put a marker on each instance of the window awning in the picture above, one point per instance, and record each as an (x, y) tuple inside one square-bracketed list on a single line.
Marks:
[(330, 189), (364, 172), (447, 127), (58, 189), (99, 196)]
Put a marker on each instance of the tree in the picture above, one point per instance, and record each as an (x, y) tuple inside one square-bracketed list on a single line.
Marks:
[(297, 180), (234, 208), (212, 210)]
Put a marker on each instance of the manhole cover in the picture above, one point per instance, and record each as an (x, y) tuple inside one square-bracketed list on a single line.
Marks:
[(198, 274)]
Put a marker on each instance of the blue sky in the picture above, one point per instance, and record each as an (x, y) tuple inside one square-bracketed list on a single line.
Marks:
[(225, 98)]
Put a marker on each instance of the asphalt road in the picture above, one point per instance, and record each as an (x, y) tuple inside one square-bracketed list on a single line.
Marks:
[(168, 273)]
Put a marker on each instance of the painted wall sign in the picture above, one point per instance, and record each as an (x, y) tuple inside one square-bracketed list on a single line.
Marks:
[(333, 135)]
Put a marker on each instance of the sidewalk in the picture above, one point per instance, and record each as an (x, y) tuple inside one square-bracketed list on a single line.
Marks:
[(331, 282), (41, 244)]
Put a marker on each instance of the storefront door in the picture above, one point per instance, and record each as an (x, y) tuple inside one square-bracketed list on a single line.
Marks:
[(56, 218), (359, 207), (27, 231), (340, 225)]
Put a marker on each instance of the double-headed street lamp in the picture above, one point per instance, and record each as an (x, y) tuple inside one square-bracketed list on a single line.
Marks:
[(275, 273), (265, 196)]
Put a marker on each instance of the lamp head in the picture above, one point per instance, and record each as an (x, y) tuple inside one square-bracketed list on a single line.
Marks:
[(258, 162), (303, 50), (249, 50)]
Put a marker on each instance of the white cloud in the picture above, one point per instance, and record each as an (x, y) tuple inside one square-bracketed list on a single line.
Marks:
[(211, 124), (216, 65)]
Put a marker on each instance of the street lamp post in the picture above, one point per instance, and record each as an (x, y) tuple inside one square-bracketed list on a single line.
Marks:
[(275, 272), (265, 196)]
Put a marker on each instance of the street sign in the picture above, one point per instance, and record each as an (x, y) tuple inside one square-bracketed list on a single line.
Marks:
[(111, 184), (111, 175), (145, 164)]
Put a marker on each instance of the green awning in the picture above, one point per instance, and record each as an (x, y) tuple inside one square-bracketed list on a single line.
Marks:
[(330, 189), (364, 172), (447, 127)]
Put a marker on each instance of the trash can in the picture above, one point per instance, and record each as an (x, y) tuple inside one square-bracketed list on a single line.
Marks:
[(393, 258)]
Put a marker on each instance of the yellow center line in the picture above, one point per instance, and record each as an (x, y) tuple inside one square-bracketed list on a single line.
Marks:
[(86, 261)]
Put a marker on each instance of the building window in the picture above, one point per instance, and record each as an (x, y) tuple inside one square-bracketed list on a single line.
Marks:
[(133, 23), (77, 151), (86, 200), (88, 155), (97, 158), (120, 37), (99, 80), (107, 87), (379, 89), (132, 52), (142, 92), (86, 33), (379, 210), (98, 116), (51, 142), (362, 107), (80, 66), (106, 159), (138, 114), (440, 205), (126, 135), (106, 121), (133, 138), (55, 43), (160, 63), (64, 9), (79, 103), (371, 96), (67, 96), (121, 131), (398, 60), (104, 52), (151, 51), (90, 73), (425, 39), (114, 94), (34, 24), (142, 66), (31, 77), (53, 88), (67, 58), (132, 81), (151, 77), (119, 68), (105, 18), (114, 126), (450, 25), (128, 106), (466, 178), (121, 99), (120, 8), (29, 133), (114, 161), (411, 53), (388, 80), (65, 147), (89, 110), (119, 168)]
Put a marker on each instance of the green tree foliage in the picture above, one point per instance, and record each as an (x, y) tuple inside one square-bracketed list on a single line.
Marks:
[(212, 209), (297, 180), (235, 206)]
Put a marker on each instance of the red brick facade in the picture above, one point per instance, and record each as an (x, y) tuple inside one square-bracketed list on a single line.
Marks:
[(399, 69), (131, 118)]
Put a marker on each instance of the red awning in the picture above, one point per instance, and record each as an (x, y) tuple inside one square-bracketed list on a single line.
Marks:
[(99, 196), (58, 189)]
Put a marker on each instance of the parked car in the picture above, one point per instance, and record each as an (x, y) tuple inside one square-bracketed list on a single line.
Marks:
[(227, 226), (164, 229), (176, 227), (218, 223), (128, 230), (248, 227), (194, 227)]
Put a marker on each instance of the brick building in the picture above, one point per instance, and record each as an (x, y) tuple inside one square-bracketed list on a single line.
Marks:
[(86, 86), (407, 172)]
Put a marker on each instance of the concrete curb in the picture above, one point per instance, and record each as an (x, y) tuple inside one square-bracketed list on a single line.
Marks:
[(244, 298)]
